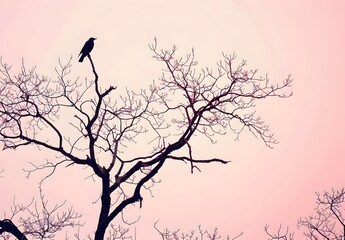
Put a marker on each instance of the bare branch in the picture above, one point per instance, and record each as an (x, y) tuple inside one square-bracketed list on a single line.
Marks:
[(84, 125), (167, 234), (278, 235), (42, 222), (328, 222)]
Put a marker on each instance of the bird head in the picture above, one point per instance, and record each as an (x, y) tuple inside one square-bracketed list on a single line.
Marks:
[(92, 39)]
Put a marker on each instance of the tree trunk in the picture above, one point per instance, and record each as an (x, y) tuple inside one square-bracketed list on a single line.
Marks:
[(100, 232), (103, 221)]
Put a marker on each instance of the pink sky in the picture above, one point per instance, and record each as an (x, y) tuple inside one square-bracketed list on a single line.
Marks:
[(303, 38)]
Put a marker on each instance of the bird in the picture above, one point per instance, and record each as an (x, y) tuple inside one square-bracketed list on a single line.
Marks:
[(88, 46)]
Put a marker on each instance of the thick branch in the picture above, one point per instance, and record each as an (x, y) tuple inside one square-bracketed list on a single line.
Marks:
[(7, 225)]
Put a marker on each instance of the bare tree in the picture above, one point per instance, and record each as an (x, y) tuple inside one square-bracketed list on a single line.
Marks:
[(114, 233), (167, 234), (38, 220), (279, 234), (328, 221), (103, 127)]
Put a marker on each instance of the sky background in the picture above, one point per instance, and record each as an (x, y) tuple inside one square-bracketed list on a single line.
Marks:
[(261, 185)]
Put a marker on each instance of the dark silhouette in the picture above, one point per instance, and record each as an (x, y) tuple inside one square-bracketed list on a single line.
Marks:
[(105, 126), (328, 222), (88, 46), (7, 225)]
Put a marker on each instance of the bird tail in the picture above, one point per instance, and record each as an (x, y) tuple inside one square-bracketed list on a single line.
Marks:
[(81, 58)]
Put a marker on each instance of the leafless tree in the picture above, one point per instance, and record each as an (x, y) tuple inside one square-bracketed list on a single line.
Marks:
[(328, 221), (279, 234), (114, 233), (103, 127), (201, 234), (38, 220)]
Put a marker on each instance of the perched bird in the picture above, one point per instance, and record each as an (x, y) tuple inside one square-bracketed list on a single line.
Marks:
[(88, 46)]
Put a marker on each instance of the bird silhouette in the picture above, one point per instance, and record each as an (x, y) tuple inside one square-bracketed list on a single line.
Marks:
[(88, 46)]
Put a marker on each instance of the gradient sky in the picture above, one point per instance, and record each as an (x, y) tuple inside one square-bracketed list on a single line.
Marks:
[(261, 186)]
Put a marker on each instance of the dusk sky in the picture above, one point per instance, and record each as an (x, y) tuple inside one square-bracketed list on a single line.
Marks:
[(261, 185)]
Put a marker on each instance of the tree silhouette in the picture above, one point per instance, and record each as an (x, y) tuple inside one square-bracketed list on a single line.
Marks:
[(279, 235), (85, 125), (41, 221), (328, 221), (167, 234)]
